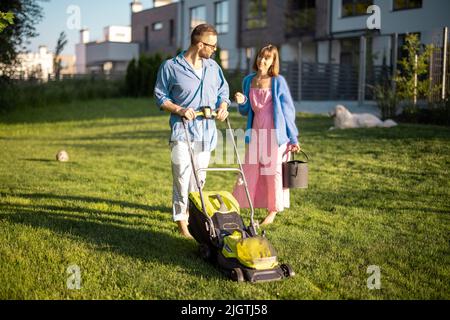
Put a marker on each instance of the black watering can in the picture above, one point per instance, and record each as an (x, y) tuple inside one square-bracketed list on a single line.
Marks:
[(295, 173)]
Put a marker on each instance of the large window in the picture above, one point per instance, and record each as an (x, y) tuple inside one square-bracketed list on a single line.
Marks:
[(351, 8), (256, 14), (222, 16), (197, 16), (349, 55), (407, 4), (300, 15)]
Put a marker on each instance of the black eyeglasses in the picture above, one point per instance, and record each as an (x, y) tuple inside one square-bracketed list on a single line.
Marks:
[(212, 46)]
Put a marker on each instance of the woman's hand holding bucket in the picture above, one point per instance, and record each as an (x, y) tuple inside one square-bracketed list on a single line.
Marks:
[(295, 148)]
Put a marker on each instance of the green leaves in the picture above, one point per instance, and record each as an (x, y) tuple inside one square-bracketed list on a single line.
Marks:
[(6, 18), (60, 44), (412, 77), (141, 75)]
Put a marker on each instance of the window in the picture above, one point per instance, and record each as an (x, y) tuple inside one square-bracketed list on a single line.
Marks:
[(407, 4), (157, 26), (300, 15), (197, 16), (221, 12), (351, 8), (349, 55), (256, 14)]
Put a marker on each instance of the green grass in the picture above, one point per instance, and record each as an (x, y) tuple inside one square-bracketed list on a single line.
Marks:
[(376, 197)]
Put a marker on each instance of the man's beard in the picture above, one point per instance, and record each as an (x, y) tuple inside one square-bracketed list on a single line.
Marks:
[(204, 55)]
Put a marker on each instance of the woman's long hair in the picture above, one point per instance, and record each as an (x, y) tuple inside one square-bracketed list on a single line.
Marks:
[(269, 51)]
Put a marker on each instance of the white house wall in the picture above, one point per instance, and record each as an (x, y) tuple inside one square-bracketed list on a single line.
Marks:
[(80, 52), (323, 51), (335, 51), (110, 51)]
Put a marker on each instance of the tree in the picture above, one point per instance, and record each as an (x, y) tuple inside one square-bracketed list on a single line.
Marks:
[(141, 75), (131, 81), (17, 24), (6, 18), (412, 77), (27, 14), (60, 44)]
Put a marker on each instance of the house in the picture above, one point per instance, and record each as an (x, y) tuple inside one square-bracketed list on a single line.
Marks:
[(155, 29), (327, 50), (108, 56), (167, 27), (38, 65), (427, 18), (356, 47), (300, 29), (224, 15)]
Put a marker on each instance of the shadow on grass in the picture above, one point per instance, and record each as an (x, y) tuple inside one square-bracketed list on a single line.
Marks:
[(148, 243), (37, 160), (127, 135), (124, 204)]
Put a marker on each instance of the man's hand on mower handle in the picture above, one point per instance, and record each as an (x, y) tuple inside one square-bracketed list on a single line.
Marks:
[(222, 113), (187, 113)]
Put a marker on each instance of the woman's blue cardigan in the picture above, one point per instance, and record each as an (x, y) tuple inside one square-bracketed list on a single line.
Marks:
[(283, 110)]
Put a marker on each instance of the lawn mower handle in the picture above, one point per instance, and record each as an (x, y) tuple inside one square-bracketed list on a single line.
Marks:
[(240, 170)]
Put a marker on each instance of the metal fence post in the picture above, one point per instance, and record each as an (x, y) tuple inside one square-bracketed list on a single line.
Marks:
[(444, 64), (300, 70), (416, 58), (430, 76), (362, 71), (394, 60)]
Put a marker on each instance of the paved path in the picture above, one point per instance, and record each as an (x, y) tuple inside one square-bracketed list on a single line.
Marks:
[(323, 107)]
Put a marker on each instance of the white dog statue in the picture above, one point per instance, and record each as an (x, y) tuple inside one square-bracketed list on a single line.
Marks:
[(344, 119)]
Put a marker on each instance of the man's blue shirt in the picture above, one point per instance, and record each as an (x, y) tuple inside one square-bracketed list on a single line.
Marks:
[(178, 82)]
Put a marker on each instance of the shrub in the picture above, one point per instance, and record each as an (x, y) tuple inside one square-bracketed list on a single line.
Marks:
[(141, 75), (36, 94), (234, 79), (435, 114)]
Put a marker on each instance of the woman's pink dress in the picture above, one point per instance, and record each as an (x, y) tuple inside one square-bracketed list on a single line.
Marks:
[(263, 159)]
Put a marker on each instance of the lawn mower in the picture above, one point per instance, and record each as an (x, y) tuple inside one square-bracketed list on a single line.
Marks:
[(216, 224)]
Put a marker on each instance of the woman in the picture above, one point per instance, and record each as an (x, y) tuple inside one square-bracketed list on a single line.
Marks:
[(271, 134)]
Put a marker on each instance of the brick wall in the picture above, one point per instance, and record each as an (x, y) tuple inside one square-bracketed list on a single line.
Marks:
[(158, 40)]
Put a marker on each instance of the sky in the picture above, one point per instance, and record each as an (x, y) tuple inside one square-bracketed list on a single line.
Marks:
[(94, 15)]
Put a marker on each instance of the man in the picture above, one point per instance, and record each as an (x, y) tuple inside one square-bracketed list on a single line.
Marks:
[(184, 85)]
